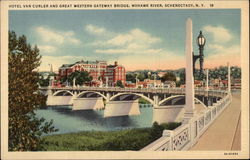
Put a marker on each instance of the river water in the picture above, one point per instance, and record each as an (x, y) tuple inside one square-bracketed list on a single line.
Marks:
[(69, 121)]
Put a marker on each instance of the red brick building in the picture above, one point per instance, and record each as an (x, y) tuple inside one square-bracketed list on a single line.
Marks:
[(99, 70), (115, 73)]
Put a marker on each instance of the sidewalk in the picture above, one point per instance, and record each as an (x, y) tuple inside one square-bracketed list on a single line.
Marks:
[(224, 132)]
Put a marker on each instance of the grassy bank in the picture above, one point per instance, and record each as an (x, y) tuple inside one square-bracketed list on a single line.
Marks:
[(130, 139)]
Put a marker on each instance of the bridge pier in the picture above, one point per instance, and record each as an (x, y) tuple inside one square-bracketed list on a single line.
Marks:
[(88, 103), (108, 97), (156, 100), (121, 108), (59, 100), (166, 114)]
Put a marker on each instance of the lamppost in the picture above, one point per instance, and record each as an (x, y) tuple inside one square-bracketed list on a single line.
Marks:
[(201, 43), (149, 77), (154, 80), (136, 81)]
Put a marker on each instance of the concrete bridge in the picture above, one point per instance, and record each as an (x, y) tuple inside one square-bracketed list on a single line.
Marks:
[(167, 102)]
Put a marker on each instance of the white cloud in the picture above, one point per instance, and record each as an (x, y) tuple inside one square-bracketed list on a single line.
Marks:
[(134, 41), (48, 35), (220, 34), (135, 36), (74, 41), (221, 48), (56, 37), (47, 48), (216, 49), (95, 29), (111, 51)]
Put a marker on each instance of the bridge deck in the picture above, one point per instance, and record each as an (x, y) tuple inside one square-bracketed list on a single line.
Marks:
[(176, 91), (224, 133)]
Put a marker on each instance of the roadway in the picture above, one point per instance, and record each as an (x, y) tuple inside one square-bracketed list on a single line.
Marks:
[(224, 132)]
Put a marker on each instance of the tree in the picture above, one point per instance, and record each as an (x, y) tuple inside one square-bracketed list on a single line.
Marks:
[(43, 82), (130, 77), (199, 75), (25, 129), (156, 131), (81, 77), (182, 77), (168, 77), (141, 76), (119, 84)]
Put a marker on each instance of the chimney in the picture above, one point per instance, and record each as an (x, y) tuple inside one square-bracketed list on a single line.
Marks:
[(116, 63)]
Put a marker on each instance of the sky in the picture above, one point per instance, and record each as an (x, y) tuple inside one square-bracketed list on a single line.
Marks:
[(137, 39)]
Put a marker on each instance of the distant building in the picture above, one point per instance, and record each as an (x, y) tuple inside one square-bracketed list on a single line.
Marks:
[(148, 83), (115, 73), (99, 70), (130, 84), (198, 83), (236, 83), (169, 84), (96, 69)]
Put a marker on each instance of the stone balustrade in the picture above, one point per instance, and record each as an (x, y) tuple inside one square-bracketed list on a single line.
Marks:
[(186, 135)]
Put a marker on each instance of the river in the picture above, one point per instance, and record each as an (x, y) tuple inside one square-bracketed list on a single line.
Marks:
[(69, 121)]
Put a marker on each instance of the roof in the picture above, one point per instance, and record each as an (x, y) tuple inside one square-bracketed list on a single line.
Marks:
[(81, 62), (197, 82), (66, 65), (152, 81), (114, 66)]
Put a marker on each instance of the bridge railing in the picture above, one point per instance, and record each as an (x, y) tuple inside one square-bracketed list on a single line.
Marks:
[(186, 135), (181, 91)]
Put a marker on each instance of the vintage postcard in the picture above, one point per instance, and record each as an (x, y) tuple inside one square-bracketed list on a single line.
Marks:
[(128, 79)]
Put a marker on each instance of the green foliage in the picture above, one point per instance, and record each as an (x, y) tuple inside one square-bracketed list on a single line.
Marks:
[(220, 73), (44, 82), (143, 101), (119, 84), (24, 128), (168, 77), (130, 77), (81, 77), (171, 125), (182, 76), (156, 131), (130, 139), (141, 76)]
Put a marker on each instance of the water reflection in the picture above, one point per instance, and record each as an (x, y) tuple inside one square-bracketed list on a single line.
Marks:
[(67, 120)]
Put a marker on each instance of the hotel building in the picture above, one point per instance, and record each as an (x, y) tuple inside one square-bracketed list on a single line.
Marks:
[(99, 70)]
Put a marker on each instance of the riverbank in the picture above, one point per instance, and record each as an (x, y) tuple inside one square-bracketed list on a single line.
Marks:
[(128, 139)]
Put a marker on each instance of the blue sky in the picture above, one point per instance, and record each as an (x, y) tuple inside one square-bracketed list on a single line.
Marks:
[(137, 39)]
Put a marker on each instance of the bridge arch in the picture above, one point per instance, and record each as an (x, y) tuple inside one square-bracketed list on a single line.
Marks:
[(137, 94), (57, 92), (84, 92), (177, 96)]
